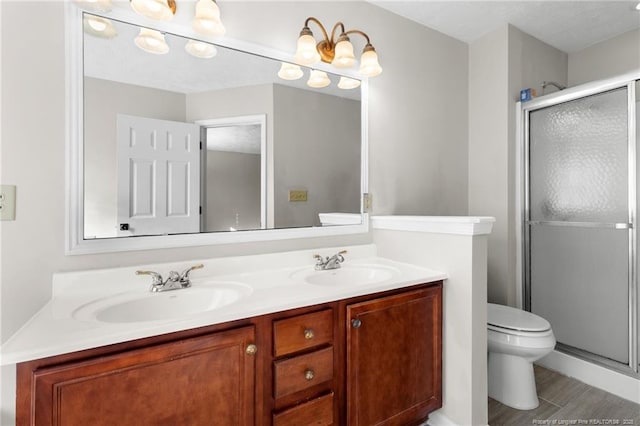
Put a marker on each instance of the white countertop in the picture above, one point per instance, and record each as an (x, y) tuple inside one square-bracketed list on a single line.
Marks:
[(272, 279)]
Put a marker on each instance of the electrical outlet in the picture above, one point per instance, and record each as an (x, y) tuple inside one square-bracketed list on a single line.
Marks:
[(297, 195), (7, 202)]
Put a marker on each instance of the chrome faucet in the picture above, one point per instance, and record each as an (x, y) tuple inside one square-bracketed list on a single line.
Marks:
[(332, 262), (175, 281)]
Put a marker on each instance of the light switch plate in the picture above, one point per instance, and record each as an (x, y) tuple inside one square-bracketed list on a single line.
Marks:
[(7, 202), (297, 195)]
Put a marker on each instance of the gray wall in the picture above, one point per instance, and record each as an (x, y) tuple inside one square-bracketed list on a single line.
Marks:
[(317, 149), (417, 134), (233, 191), (616, 56), (501, 64), (250, 100), (103, 100)]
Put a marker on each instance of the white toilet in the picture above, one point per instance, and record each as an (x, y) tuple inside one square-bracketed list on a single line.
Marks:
[(516, 339)]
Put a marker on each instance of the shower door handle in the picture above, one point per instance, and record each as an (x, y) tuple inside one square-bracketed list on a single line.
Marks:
[(610, 225)]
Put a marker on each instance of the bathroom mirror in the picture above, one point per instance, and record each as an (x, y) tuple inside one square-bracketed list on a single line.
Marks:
[(186, 149)]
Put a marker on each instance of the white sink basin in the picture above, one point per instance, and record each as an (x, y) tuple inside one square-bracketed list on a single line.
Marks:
[(146, 306), (347, 275)]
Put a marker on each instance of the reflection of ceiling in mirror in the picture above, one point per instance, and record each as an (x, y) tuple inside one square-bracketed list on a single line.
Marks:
[(238, 138), (119, 59)]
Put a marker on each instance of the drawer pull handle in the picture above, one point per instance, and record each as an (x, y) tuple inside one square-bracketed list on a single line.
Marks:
[(309, 374), (251, 349), (356, 323), (309, 334)]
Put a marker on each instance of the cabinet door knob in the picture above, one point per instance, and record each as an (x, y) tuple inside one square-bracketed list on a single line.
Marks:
[(309, 334), (251, 349), (356, 323), (309, 374)]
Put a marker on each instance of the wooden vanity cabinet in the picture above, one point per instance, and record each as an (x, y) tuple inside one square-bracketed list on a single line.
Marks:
[(364, 361), (304, 369), (198, 381), (394, 361)]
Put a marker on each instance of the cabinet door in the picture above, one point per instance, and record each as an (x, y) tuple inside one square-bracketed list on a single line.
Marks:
[(198, 381), (394, 358)]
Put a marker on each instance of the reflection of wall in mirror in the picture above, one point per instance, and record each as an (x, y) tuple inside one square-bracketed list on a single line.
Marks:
[(317, 145), (103, 100), (313, 143), (232, 191)]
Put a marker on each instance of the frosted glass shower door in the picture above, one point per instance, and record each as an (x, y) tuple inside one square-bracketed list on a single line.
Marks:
[(579, 222)]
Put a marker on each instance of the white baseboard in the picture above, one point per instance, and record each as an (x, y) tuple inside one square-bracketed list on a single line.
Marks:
[(438, 418), (603, 378)]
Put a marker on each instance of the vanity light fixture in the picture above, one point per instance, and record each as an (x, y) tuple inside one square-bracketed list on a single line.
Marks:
[(99, 27), (337, 53), (200, 49), (318, 79), (638, 6), (290, 71), (151, 41), (207, 20), (160, 10)]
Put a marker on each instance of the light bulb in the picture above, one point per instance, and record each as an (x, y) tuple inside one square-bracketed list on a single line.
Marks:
[(154, 9), (307, 53), (290, 71), (344, 57), (151, 41), (347, 83), (369, 65), (201, 49), (318, 79), (96, 25), (207, 19), (97, 5), (99, 27)]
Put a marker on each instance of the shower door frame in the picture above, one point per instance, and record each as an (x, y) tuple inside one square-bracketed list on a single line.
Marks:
[(523, 222)]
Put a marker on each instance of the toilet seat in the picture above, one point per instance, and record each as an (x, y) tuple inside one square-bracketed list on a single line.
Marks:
[(510, 320)]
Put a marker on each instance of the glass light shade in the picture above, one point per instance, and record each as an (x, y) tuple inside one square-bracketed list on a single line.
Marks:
[(200, 49), (318, 79), (348, 83), (369, 65), (307, 53), (99, 27), (207, 20), (151, 41), (97, 5), (154, 9), (344, 55), (290, 71)]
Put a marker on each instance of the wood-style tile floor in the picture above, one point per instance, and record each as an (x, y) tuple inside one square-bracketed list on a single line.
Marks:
[(567, 401)]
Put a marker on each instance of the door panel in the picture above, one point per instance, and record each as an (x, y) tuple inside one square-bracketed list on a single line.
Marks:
[(158, 176), (579, 222)]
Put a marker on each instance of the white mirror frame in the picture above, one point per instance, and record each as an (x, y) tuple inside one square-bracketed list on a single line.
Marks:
[(75, 244)]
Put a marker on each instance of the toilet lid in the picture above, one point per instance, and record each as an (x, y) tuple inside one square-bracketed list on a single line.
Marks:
[(515, 319)]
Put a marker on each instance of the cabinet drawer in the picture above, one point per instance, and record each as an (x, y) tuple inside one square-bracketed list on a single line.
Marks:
[(317, 412), (302, 332), (301, 372)]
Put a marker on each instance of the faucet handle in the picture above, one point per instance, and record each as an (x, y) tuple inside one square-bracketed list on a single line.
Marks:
[(156, 277), (184, 276), (318, 258)]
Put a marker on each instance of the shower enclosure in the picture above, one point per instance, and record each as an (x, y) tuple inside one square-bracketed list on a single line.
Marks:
[(579, 219)]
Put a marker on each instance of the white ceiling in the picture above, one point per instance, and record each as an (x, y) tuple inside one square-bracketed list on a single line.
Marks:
[(567, 25)]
